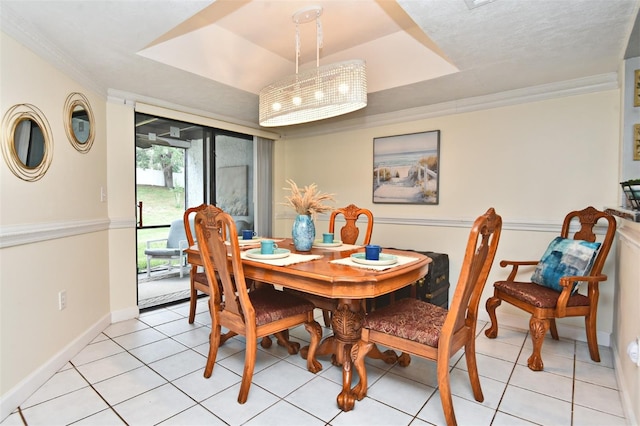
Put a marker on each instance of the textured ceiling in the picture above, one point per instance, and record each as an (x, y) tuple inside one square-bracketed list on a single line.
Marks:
[(213, 57)]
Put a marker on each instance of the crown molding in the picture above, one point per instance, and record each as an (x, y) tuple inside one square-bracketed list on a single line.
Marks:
[(580, 86)]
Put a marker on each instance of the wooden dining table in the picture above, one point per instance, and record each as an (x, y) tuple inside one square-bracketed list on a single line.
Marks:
[(349, 285)]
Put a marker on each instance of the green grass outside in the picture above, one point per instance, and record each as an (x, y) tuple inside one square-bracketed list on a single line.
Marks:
[(160, 206)]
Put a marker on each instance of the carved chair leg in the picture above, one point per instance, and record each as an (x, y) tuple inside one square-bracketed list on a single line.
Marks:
[(491, 305), (592, 338), (445, 391), (214, 344), (192, 304), (538, 328), (553, 329), (247, 373), (315, 331), (358, 353), (472, 368)]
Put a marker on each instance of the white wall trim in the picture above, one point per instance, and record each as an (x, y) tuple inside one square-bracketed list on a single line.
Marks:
[(15, 235), (630, 236), (125, 314), (529, 226), (33, 233), (11, 399)]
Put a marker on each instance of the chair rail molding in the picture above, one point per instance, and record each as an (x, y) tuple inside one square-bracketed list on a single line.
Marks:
[(532, 226), (15, 235)]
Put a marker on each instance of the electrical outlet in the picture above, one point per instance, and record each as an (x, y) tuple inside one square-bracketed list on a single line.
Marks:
[(103, 194), (62, 299)]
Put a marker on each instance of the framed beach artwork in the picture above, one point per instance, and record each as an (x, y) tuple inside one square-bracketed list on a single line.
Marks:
[(406, 168)]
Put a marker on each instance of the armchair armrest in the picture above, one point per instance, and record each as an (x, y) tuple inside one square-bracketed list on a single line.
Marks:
[(567, 285), (155, 241), (515, 264)]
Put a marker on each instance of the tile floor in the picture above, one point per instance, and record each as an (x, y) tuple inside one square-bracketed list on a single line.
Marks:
[(149, 371)]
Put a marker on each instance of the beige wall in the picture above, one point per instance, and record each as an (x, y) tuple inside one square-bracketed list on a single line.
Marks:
[(532, 162), (63, 216)]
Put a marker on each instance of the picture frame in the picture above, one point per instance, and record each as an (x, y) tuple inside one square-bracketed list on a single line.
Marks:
[(636, 142), (406, 168), (231, 190), (636, 89)]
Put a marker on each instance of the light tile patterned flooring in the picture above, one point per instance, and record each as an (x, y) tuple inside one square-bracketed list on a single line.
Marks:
[(149, 371)]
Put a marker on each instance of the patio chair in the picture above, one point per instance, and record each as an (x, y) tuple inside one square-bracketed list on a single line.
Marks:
[(174, 246)]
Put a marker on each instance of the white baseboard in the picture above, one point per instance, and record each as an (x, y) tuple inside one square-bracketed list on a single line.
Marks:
[(125, 314), (564, 330), (23, 390)]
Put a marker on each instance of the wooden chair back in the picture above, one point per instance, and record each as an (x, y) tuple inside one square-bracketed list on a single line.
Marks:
[(212, 226), (256, 314), (429, 331), (587, 219), (349, 232)]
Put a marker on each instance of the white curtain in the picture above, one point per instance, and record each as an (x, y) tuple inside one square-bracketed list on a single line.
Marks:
[(263, 185)]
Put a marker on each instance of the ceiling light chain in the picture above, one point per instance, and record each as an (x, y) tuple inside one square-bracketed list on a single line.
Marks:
[(315, 94)]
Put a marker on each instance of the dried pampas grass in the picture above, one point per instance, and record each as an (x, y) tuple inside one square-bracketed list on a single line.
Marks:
[(309, 200)]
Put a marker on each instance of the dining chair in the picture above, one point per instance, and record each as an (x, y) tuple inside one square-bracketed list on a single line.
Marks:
[(254, 314), (348, 235), (349, 232), (197, 278), (552, 291), (429, 331)]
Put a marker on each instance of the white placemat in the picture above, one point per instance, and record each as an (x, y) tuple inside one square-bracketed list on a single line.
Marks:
[(402, 260), (293, 258), (343, 247)]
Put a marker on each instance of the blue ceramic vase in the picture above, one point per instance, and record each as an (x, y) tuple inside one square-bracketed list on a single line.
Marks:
[(303, 232)]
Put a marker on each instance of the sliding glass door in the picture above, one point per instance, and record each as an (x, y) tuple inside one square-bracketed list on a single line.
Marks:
[(181, 165)]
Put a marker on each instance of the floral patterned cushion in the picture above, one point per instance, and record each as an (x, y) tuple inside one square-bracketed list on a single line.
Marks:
[(537, 295), (272, 305), (410, 319)]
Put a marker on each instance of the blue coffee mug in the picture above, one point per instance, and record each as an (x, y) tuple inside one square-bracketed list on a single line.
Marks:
[(327, 238), (372, 252), (267, 247), (248, 234)]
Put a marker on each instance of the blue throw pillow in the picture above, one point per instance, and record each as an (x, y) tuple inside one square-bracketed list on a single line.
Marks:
[(564, 257)]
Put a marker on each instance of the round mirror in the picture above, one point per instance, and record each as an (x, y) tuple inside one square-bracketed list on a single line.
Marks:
[(27, 142), (79, 123)]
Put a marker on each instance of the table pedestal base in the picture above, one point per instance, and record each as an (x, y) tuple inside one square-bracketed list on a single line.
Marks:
[(346, 321)]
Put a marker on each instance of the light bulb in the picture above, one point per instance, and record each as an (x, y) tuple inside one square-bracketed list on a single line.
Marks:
[(343, 88), (276, 106), (319, 95), (296, 100)]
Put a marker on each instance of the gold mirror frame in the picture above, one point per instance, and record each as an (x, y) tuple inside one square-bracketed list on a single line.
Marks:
[(10, 122), (74, 101)]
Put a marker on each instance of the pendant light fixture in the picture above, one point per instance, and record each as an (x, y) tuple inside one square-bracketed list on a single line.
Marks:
[(317, 93)]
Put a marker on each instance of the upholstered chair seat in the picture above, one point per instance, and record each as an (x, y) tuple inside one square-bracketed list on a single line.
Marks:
[(409, 319), (537, 295), (273, 305)]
